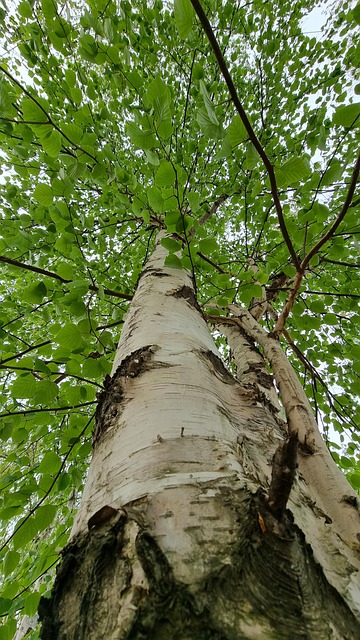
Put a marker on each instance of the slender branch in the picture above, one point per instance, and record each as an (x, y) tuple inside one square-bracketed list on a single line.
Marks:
[(61, 374), (110, 292), (209, 261), (333, 293), (22, 353), (47, 409), (51, 274), (108, 326), (23, 265), (251, 133), (24, 121), (343, 264), (319, 293), (218, 202), (339, 219), (301, 271)]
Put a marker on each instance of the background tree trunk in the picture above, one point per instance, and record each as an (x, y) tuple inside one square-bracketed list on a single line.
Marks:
[(174, 537)]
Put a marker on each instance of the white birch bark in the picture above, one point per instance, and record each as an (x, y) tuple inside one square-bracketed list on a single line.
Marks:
[(179, 428), (174, 537)]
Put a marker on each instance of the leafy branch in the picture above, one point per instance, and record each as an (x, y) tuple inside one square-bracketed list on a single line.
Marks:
[(48, 491), (61, 374), (56, 276), (251, 133), (47, 409), (49, 121), (279, 326)]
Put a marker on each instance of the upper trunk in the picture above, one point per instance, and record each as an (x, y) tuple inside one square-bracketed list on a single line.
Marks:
[(174, 537)]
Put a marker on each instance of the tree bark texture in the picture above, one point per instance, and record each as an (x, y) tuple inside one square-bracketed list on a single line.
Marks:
[(176, 537)]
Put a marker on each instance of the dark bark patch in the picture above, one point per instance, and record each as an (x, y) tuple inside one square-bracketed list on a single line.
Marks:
[(155, 564), (188, 294), (86, 561), (217, 366), (102, 516), (111, 398), (284, 466), (154, 272), (270, 584), (264, 379)]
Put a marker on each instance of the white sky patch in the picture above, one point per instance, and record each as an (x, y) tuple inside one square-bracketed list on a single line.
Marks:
[(312, 23)]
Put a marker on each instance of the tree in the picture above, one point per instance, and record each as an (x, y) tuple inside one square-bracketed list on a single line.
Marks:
[(196, 167)]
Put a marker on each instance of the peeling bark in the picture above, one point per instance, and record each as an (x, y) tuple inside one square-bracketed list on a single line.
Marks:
[(190, 525)]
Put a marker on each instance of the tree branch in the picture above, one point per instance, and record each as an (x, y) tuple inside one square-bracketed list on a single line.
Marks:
[(23, 265), (301, 271), (51, 274), (251, 133), (47, 409), (22, 353), (339, 219), (218, 202)]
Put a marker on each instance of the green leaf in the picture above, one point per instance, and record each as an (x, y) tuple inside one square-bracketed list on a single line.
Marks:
[(171, 245), (356, 13), (207, 125), (333, 174), (46, 391), (76, 95), (5, 605), (251, 157), (354, 478), (24, 387), (70, 77), (49, 8), (208, 104), (27, 531), (155, 199), (35, 293), (19, 435), (320, 212), (8, 630), (70, 337), (198, 71), (159, 96), (50, 464), (292, 171), (173, 261), (345, 462), (25, 10), (348, 115), (32, 112), (208, 245), (11, 561), (236, 131), (184, 16), (165, 175), (31, 602), (44, 516), (43, 194), (52, 144), (144, 139)]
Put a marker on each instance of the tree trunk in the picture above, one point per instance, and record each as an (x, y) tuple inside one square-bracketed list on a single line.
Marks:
[(176, 537)]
